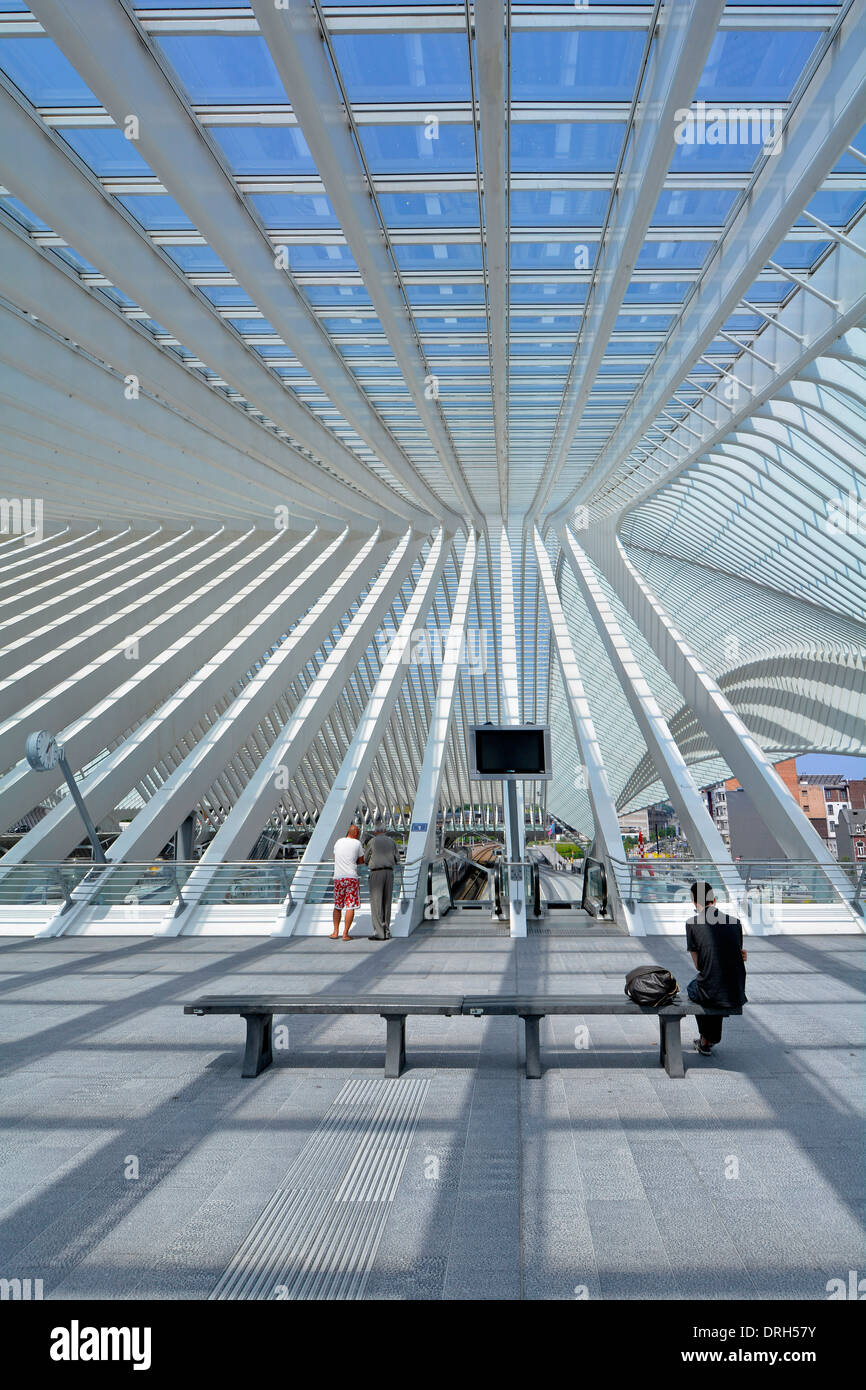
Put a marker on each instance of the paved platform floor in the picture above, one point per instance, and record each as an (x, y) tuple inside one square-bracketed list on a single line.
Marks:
[(604, 1179)]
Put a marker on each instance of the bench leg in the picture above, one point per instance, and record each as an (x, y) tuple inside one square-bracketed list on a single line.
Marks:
[(671, 1046), (532, 1033), (395, 1044), (258, 1054)]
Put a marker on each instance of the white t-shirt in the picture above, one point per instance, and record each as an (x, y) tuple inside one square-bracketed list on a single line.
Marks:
[(346, 853)]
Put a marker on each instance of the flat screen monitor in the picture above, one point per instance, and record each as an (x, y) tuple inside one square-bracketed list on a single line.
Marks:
[(512, 752)]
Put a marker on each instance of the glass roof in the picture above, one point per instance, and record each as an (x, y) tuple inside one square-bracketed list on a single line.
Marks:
[(448, 364)]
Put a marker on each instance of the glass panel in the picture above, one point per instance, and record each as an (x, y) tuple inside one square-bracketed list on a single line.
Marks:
[(264, 149), (39, 69), (156, 212), (452, 254), (591, 148), (567, 207), (224, 69), (673, 253), (294, 210), (550, 255), (428, 209), (23, 214), (403, 67), (705, 207), (755, 65), (568, 66), (836, 208), (405, 149), (106, 151)]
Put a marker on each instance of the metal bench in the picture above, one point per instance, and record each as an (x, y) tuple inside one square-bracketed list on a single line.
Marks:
[(532, 1008), (259, 1010)]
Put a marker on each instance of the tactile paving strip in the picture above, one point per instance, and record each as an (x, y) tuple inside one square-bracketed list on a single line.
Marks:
[(318, 1235)]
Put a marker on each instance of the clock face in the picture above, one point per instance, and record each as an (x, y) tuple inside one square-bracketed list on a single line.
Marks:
[(41, 751)]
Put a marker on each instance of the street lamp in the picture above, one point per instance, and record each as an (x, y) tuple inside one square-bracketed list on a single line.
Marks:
[(44, 753)]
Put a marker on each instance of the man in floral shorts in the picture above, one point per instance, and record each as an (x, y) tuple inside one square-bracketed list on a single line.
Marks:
[(348, 854)]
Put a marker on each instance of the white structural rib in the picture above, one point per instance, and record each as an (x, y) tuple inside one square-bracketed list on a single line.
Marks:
[(59, 188), (239, 650), (103, 698), (669, 763), (266, 466), (805, 329), (95, 620), (298, 50), (371, 730), (746, 759), (244, 714), (825, 120), (263, 791), (607, 831), (107, 46), (422, 834), (490, 31), (686, 31), (513, 793)]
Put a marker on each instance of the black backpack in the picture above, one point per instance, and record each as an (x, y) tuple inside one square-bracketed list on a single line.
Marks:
[(651, 986)]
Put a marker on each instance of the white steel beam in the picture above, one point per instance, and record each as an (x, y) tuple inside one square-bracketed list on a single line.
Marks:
[(802, 332), (686, 31), (824, 121), (62, 191), (513, 793), (103, 698), (237, 654), (133, 444), (727, 731), (301, 59), (422, 834), (109, 49), (255, 702), (490, 41), (369, 735), (607, 831), (262, 792), (41, 285), (670, 765)]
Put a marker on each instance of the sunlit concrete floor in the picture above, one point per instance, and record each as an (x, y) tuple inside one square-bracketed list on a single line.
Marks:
[(604, 1179)]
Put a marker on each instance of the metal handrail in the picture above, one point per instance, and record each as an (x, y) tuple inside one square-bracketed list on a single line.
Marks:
[(752, 872)]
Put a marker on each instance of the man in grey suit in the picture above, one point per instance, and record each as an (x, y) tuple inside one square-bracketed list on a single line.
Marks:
[(381, 856)]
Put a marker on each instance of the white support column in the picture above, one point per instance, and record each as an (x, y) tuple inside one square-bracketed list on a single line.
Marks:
[(263, 791), (229, 732), (124, 683), (422, 835), (746, 759), (512, 792), (356, 765), (607, 831), (115, 775), (704, 838), (92, 624)]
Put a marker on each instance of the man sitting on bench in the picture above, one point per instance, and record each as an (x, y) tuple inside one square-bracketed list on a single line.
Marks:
[(715, 943)]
